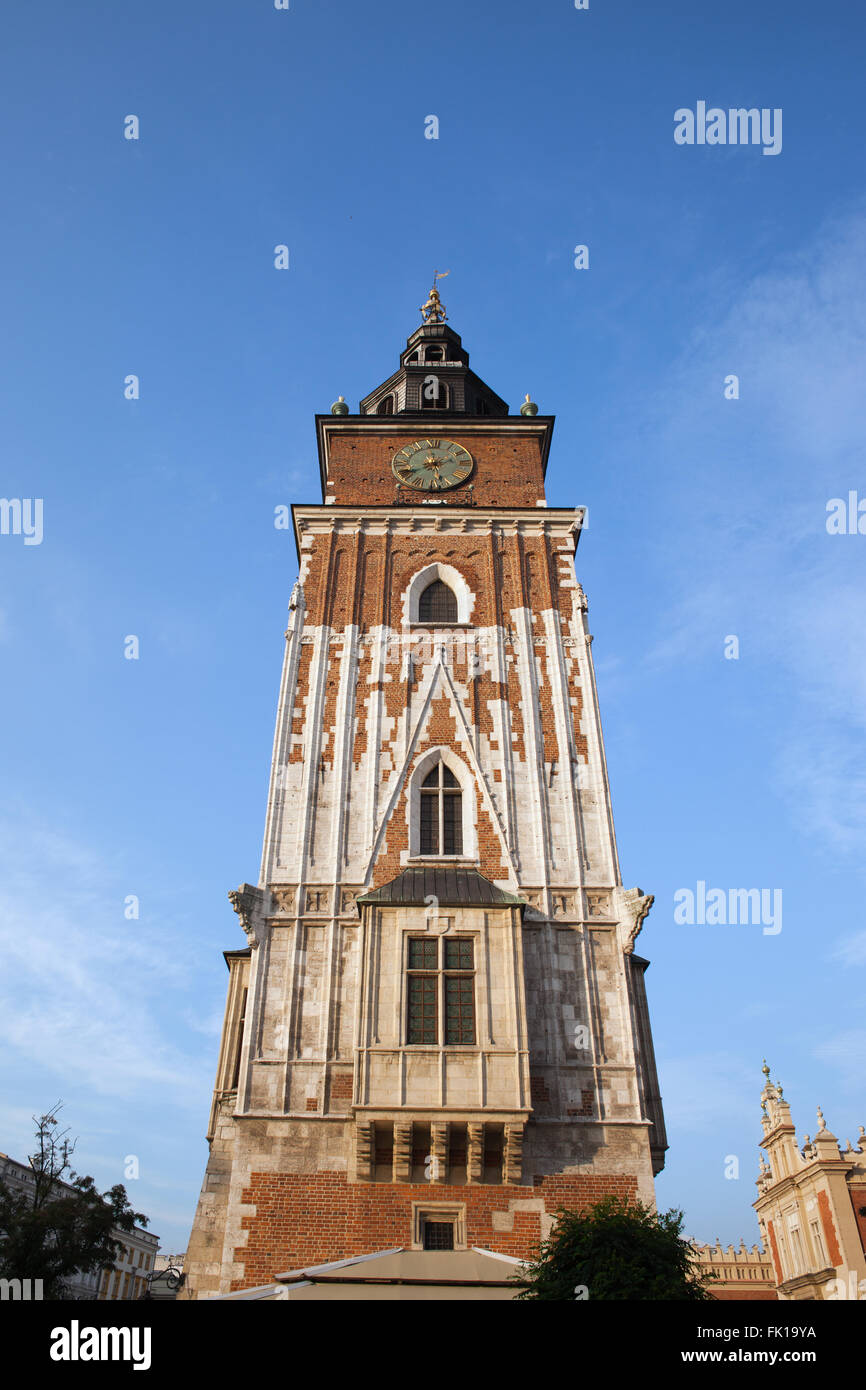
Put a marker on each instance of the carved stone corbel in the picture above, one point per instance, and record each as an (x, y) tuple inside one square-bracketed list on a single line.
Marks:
[(249, 902), (439, 1151), (512, 1158), (402, 1151), (638, 905), (474, 1152), (364, 1150)]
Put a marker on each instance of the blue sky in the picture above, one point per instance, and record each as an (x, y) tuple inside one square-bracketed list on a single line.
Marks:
[(707, 516)]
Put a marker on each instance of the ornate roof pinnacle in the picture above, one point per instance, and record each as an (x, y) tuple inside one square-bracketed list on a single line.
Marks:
[(434, 310)]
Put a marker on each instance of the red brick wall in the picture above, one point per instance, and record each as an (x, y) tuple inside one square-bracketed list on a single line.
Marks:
[(309, 1218), (833, 1251), (504, 573), (774, 1251), (858, 1200), (508, 469)]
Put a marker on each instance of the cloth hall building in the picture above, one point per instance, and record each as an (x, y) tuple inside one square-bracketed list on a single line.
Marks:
[(436, 1032)]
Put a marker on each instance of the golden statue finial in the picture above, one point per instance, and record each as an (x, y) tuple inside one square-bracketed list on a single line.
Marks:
[(434, 310)]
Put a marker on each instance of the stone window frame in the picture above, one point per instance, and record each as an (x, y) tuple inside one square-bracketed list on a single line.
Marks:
[(455, 581), (453, 1212), (468, 806)]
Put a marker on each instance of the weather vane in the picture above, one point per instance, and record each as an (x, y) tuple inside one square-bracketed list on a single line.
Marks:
[(434, 310)]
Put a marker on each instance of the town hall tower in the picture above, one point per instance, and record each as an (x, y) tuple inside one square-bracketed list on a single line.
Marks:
[(437, 1031)]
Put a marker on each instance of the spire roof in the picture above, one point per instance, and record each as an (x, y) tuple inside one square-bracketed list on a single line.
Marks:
[(434, 377)]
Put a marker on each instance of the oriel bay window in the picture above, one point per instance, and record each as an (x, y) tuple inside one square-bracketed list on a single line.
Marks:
[(441, 813), (440, 990)]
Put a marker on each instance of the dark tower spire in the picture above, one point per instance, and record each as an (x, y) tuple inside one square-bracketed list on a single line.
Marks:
[(434, 373)]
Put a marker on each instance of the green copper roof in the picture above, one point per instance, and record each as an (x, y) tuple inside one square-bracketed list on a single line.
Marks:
[(451, 887)]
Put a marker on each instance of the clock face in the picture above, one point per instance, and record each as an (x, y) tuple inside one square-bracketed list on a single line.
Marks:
[(432, 464)]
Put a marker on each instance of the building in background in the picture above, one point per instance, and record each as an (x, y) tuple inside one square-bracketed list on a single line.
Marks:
[(811, 1206), (128, 1278), (737, 1273), (437, 1032)]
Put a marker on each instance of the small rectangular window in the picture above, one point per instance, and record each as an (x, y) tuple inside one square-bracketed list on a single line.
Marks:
[(422, 953), (438, 1235), (458, 953)]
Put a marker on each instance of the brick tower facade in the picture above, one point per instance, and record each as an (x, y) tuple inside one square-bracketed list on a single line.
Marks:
[(437, 1032)]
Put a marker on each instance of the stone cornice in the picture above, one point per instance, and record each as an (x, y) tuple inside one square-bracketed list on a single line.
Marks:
[(794, 1182), (433, 519), (806, 1281)]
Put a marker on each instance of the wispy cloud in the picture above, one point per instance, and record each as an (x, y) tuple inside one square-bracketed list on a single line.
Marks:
[(846, 1051), (87, 992), (753, 556), (852, 949)]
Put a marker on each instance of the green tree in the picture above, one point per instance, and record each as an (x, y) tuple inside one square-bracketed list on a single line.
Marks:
[(61, 1224), (616, 1250)]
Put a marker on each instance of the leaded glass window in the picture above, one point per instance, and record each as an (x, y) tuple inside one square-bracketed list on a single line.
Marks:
[(441, 825), (437, 604), (440, 984)]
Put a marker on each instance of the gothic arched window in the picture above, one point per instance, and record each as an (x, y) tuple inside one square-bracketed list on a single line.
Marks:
[(437, 604), (386, 406), (441, 822)]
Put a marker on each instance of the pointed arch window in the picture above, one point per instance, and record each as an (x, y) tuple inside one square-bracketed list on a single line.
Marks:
[(441, 823), (437, 604)]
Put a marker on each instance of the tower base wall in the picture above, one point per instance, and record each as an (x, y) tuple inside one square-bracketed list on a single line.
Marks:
[(274, 1198)]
